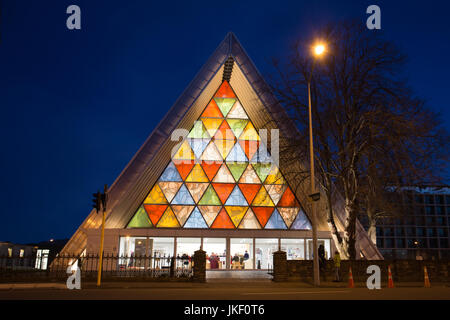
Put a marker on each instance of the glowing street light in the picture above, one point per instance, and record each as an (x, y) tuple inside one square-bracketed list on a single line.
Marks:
[(318, 50)]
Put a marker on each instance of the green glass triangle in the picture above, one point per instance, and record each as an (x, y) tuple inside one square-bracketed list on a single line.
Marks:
[(225, 104), (236, 169), (140, 220), (199, 131), (210, 197), (237, 126), (262, 170)]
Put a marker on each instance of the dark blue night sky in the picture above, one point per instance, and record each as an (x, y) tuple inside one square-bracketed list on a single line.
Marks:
[(76, 105)]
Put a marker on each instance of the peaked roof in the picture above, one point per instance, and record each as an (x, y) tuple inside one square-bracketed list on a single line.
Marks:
[(130, 188)]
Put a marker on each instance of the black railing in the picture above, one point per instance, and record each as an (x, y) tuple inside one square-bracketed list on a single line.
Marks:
[(114, 267)]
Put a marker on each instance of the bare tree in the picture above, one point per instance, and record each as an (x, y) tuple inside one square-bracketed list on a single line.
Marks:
[(370, 131)]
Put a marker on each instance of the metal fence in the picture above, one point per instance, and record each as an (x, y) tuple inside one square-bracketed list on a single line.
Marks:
[(114, 267)]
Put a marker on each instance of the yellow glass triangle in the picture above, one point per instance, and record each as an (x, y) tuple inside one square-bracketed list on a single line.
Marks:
[(262, 199), (155, 196), (211, 125), (236, 213), (185, 152), (224, 147), (197, 175), (249, 133), (168, 220), (274, 176)]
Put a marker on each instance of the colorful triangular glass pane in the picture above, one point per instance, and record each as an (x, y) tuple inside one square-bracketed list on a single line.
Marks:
[(212, 111), (224, 175), (225, 91), (155, 211), (236, 198), (249, 176), (223, 190), (262, 169), (184, 152), (288, 215), (210, 197), (262, 198), (249, 191), (275, 191), (249, 221), (197, 175), (275, 221), (182, 212), (169, 188), (140, 219), (184, 167), (224, 132), (263, 214), (211, 168), (237, 154), (225, 104), (236, 169), (211, 125), (288, 199), (249, 133), (250, 147), (198, 131), (301, 222), (183, 196), (209, 213), (168, 220), (155, 196), (222, 221), (196, 220), (237, 112), (196, 189), (237, 126), (275, 176), (224, 147), (198, 146), (211, 153), (170, 174), (236, 214)]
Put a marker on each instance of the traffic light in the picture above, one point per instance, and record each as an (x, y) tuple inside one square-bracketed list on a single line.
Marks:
[(96, 201)]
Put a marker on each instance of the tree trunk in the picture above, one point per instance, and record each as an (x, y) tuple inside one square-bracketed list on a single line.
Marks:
[(332, 226), (372, 231), (350, 229)]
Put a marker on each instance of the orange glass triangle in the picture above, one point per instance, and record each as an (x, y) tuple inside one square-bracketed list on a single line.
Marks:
[(212, 111), (288, 199), (223, 190), (250, 147), (225, 91), (222, 221), (155, 211), (263, 214), (249, 191), (184, 167)]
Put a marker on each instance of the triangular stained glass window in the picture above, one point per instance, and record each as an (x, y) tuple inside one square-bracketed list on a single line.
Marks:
[(221, 176), (196, 220), (275, 221), (301, 222), (140, 219)]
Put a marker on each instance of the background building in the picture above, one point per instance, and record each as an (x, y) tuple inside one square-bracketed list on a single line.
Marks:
[(422, 231)]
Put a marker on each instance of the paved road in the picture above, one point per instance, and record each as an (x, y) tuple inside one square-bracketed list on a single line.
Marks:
[(232, 290)]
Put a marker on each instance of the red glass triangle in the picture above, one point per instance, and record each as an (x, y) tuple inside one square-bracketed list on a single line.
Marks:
[(225, 91), (222, 221), (288, 199), (211, 168), (155, 211), (223, 190), (184, 167), (249, 190), (212, 111), (263, 214)]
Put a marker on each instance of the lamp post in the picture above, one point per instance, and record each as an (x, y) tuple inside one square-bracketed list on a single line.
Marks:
[(319, 49)]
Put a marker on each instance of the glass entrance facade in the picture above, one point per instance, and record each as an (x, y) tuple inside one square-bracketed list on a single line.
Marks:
[(221, 253)]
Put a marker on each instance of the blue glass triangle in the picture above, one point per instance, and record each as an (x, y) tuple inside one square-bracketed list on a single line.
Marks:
[(301, 222), (195, 220), (237, 154), (275, 221), (236, 198), (183, 196), (198, 146), (262, 155), (170, 174)]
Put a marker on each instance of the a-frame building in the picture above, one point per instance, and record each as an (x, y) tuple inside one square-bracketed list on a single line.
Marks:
[(215, 185)]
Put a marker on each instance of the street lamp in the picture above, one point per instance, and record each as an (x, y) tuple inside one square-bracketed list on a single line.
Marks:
[(318, 50)]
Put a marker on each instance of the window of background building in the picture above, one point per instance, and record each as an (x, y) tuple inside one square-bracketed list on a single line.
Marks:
[(216, 250), (242, 251), (399, 232), (410, 243), (440, 221), (431, 232), (442, 232), (388, 243), (379, 232), (10, 252), (443, 243), (21, 253), (430, 221), (409, 221), (400, 243), (440, 210), (419, 198), (388, 232), (447, 199), (187, 246), (420, 232), (410, 232), (324, 242), (440, 199), (295, 248), (264, 249), (429, 210), (419, 210), (380, 243), (420, 221), (429, 199), (433, 243)]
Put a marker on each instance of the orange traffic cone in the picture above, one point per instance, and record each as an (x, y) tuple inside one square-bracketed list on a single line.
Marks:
[(427, 280), (351, 284), (390, 281)]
